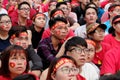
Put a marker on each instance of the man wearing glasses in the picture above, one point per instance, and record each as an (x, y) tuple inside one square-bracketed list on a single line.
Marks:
[(22, 17), (76, 47)]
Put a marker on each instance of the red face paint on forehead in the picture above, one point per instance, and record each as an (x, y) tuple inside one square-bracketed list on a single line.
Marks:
[(12, 64), (57, 12), (23, 34), (58, 24)]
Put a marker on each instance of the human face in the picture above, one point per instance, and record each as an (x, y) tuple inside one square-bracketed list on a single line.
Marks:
[(60, 30), (79, 53), (99, 34), (116, 11), (85, 2), (52, 6), (13, 2), (5, 23), (22, 40), (97, 2), (65, 9), (117, 27), (90, 16), (91, 53), (62, 72), (17, 63), (40, 21), (24, 11)]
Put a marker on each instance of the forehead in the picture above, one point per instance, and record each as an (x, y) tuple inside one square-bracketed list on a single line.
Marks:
[(4, 17), (24, 5), (63, 5), (68, 64), (17, 52), (90, 10)]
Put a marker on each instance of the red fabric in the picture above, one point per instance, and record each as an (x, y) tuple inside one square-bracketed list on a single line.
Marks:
[(5, 2), (102, 4), (109, 39), (99, 56), (4, 78), (105, 17), (46, 34), (14, 18), (111, 62), (79, 77)]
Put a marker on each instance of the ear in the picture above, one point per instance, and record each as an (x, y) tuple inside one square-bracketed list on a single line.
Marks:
[(18, 11), (114, 26), (53, 76), (11, 41), (90, 36), (33, 22), (68, 53)]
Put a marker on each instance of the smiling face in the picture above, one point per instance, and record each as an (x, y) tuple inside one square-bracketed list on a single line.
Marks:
[(17, 63), (5, 23)]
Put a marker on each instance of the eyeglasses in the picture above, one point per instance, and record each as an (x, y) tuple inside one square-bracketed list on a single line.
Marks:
[(79, 50), (25, 9), (6, 22), (99, 31), (63, 8), (67, 70)]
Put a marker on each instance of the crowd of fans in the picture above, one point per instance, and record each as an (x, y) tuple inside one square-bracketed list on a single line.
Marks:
[(59, 39)]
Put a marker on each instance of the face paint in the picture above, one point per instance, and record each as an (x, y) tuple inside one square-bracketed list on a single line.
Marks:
[(12, 64), (13, 36), (58, 32), (25, 63), (2, 26), (18, 43), (57, 12), (23, 34), (58, 24)]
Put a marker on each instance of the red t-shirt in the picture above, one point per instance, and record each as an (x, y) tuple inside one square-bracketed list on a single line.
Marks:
[(109, 39), (4, 78), (111, 62), (99, 56)]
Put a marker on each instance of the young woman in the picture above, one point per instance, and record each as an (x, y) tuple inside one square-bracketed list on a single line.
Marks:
[(14, 61), (5, 26), (64, 68), (39, 21)]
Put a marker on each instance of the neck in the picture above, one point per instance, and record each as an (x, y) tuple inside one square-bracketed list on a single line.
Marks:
[(55, 42), (22, 21), (13, 76), (3, 35), (98, 48), (38, 29)]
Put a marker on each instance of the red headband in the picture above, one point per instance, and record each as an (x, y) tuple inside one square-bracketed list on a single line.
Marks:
[(111, 9), (116, 20), (58, 24), (57, 12), (91, 42), (61, 62), (40, 14)]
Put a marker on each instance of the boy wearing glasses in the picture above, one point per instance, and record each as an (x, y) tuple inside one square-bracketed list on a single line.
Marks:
[(76, 47), (22, 16)]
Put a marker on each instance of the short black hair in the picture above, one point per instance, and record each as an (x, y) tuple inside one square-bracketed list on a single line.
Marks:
[(17, 30), (75, 41), (60, 3), (22, 3), (55, 10), (53, 21)]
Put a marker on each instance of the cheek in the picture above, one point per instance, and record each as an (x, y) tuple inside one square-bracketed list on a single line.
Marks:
[(58, 32), (25, 63), (2, 26), (12, 64)]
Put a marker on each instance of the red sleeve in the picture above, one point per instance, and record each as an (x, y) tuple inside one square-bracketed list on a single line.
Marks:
[(46, 33)]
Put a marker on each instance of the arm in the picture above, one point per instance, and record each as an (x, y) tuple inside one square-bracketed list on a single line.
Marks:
[(36, 60)]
